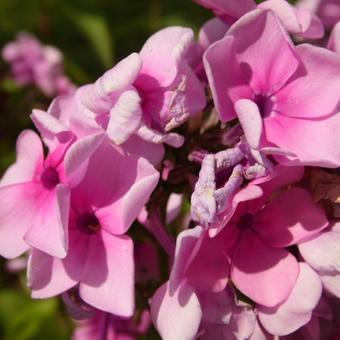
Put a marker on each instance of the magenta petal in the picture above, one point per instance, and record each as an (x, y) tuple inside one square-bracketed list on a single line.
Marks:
[(278, 228), (319, 69), (49, 232), (19, 205), (176, 316), (30, 156), (334, 39), (265, 274), (225, 77), (212, 31), (267, 69), (108, 279), (297, 310)]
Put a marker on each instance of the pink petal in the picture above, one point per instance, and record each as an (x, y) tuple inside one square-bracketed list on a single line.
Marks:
[(250, 119), (322, 252), (225, 77), (49, 232), (297, 310), (256, 267), (125, 117), (30, 157), (18, 209), (334, 39), (173, 207), (266, 69), (212, 31), (314, 141), (162, 52), (108, 279), (280, 229), (302, 97), (77, 157), (132, 193), (176, 316), (331, 282), (49, 276)]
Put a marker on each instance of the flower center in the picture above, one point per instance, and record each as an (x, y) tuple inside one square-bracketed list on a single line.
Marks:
[(88, 223), (245, 221), (265, 104), (50, 178)]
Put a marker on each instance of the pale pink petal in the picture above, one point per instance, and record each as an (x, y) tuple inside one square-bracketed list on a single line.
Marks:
[(49, 276), (323, 251), (19, 204), (30, 157), (297, 310), (173, 207), (265, 274), (49, 232), (290, 218), (176, 316), (314, 141), (301, 97), (125, 117), (108, 279), (77, 157), (250, 119), (162, 52), (331, 282), (266, 69), (226, 79)]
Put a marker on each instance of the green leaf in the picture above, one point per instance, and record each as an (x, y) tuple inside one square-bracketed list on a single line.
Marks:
[(96, 30)]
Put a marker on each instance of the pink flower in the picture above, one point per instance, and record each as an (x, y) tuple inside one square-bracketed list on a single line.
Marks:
[(32, 63), (100, 256), (284, 96), (145, 95)]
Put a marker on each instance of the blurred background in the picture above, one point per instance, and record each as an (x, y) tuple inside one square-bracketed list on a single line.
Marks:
[(93, 35)]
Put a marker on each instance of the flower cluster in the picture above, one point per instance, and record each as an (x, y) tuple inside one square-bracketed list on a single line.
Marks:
[(237, 126)]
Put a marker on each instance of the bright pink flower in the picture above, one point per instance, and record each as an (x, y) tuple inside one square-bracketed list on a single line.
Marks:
[(284, 96), (32, 63), (34, 196), (100, 256)]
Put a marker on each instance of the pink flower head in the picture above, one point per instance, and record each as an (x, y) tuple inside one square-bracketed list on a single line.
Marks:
[(100, 256), (34, 196), (284, 96), (146, 94), (32, 63)]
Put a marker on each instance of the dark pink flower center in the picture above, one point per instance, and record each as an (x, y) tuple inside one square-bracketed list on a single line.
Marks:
[(245, 221), (265, 104), (88, 223), (50, 178)]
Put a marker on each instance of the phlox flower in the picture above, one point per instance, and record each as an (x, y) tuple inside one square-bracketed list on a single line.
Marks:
[(284, 96), (32, 63), (100, 257)]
